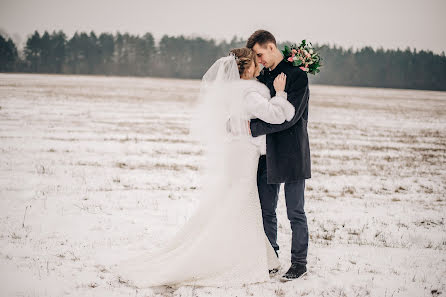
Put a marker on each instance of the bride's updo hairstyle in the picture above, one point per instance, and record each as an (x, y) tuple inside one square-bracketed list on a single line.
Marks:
[(244, 57)]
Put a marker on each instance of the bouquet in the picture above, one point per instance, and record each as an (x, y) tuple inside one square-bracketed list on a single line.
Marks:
[(303, 56)]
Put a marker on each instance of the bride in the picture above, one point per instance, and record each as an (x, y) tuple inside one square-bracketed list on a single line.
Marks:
[(223, 243)]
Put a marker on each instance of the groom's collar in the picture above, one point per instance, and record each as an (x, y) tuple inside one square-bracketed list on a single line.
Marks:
[(279, 67)]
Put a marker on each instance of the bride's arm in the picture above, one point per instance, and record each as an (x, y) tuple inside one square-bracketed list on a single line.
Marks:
[(273, 111)]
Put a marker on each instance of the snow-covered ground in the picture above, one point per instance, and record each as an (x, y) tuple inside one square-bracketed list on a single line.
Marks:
[(94, 169)]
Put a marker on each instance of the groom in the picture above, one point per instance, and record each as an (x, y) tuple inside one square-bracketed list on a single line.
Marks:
[(287, 157)]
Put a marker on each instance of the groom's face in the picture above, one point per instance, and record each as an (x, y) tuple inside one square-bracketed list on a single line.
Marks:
[(264, 54)]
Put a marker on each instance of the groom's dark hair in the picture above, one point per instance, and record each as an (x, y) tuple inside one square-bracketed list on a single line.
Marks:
[(261, 37)]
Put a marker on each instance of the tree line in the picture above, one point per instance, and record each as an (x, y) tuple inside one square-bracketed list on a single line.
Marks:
[(190, 57)]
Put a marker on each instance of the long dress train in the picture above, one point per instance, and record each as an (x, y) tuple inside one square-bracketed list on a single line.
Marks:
[(223, 243)]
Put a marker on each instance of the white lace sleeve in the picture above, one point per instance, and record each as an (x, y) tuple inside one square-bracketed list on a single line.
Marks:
[(273, 111)]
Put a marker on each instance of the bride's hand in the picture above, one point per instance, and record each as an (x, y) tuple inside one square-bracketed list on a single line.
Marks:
[(279, 82)]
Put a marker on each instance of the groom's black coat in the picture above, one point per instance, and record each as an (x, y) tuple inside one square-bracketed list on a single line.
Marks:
[(287, 145)]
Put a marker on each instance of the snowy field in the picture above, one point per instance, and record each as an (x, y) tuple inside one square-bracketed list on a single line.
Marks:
[(95, 169)]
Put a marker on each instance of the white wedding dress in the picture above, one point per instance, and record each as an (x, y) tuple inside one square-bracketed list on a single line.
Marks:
[(223, 243)]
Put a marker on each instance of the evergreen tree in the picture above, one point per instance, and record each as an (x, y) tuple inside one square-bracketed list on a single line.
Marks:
[(58, 51), (33, 52), (8, 55), (106, 45)]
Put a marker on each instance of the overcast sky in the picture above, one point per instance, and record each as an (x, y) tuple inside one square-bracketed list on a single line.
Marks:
[(387, 23)]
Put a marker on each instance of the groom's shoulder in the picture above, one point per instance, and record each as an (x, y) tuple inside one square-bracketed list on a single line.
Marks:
[(294, 70), (297, 74)]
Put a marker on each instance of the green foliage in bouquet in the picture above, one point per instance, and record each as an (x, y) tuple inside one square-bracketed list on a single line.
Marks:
[(303, 56)]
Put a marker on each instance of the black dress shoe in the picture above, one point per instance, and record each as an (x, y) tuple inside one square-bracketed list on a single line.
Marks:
[(296, 271)]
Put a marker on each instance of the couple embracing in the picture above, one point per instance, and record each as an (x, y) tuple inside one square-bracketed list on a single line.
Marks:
[(256, 131)]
